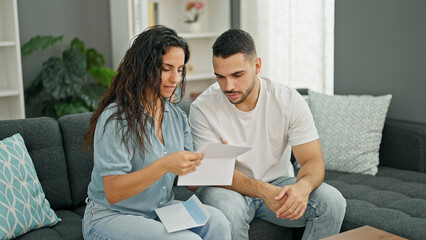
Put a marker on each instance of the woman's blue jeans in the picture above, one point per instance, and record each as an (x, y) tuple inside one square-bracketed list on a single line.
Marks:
[(323, 216), (100, 222)]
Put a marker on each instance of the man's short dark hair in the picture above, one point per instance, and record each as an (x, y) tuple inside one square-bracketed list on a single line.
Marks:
[(234, 41)]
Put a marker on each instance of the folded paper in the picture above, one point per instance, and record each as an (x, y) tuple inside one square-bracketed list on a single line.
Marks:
[(217, 166), (184, 215)]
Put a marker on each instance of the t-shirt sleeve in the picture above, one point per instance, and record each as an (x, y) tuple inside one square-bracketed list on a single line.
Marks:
[(110, 154), (202, 133), (301, 127)]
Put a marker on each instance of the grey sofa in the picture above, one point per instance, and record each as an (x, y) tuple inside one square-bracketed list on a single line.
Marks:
[(394, 200)]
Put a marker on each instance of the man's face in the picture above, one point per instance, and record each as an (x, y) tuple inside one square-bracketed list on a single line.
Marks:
[(236, 75)]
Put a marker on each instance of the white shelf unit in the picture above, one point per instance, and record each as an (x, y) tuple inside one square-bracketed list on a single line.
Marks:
[(11, 86), (127, 20)]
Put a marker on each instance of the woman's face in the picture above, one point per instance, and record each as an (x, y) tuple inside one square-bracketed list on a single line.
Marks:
[(171, 70)]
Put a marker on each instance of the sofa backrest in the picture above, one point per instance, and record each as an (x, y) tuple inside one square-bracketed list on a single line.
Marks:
[(403, 145), (64, 170), (79, 162), (43, 140)]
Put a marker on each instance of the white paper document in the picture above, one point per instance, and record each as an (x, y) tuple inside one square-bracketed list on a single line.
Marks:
[(184, 215), (217, 167)]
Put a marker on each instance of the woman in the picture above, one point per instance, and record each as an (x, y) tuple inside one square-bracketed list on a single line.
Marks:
[(141, 142)]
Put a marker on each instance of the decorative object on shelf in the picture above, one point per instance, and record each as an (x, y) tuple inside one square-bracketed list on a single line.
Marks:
[(189, 68), (194, 10), (152, 13), (71, 83)]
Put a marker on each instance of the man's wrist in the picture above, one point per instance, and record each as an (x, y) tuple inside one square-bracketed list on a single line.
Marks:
[(263, 189), (306, 184)]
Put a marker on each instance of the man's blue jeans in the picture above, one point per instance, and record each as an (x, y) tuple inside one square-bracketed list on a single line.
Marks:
[(100, 222), (323, 216)]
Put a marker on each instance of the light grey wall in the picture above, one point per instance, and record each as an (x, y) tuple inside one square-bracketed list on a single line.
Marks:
[(380, 47), (89, 20)]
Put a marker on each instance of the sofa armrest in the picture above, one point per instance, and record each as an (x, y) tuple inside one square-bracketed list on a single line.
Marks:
[(403, 145)]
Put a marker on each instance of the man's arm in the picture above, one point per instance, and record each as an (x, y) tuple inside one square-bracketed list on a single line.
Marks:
[(251, 187), (310, 176), (248, 186), (312, 169)]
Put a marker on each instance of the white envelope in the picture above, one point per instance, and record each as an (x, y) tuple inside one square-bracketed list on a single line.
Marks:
[(217, 167), (184, 215)]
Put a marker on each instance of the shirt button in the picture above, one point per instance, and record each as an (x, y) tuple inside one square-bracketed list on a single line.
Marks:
[(164, 187)]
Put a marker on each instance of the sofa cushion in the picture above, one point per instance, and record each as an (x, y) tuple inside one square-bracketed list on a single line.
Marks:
[(80, 210), (44, 143), (350, 130), (261, 229), (23, 204), (394, 200), (79, 162), (404, 145), (69, 228)]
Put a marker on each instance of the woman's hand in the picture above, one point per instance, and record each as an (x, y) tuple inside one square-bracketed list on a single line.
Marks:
[(181, 163)]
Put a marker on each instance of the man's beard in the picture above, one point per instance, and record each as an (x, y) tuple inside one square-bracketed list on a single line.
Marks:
[(245, 95)]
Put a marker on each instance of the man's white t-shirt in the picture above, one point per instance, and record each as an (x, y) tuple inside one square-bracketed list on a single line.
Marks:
[(281, 119)]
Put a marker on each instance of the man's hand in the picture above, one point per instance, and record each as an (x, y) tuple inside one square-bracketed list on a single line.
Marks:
[(288, 202), (269, 197), (295, 198)]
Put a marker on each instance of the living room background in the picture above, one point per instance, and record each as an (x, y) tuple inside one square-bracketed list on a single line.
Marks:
[(379, 45)]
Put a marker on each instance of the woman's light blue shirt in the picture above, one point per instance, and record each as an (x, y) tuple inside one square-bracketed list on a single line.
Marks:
[(111, 157)]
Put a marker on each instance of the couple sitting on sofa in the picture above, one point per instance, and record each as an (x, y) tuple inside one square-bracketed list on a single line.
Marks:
[(141, 142)]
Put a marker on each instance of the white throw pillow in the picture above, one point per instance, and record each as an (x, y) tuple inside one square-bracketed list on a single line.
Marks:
[(350, 129)]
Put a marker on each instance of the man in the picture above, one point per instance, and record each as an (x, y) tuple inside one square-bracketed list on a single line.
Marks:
[(244, 109)]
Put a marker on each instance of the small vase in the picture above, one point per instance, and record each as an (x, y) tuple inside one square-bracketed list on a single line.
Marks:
[(194, 27)]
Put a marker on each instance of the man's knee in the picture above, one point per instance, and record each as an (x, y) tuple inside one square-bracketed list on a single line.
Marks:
[(340, 204), (219, 221), (332, 201)]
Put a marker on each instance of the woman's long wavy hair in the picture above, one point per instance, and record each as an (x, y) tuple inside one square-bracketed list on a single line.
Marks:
[(136, 86)]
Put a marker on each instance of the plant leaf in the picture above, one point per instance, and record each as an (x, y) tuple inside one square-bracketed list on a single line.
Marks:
[(73, 107), (38, 42), (64, 85), (92, 94), (53, 75), (64, 77), (75, 64), (102, 75), (34, 93), (48, 108), (94, 58), (76, 43)]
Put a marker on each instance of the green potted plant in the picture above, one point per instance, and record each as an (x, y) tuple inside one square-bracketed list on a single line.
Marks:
[(73, 82)]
